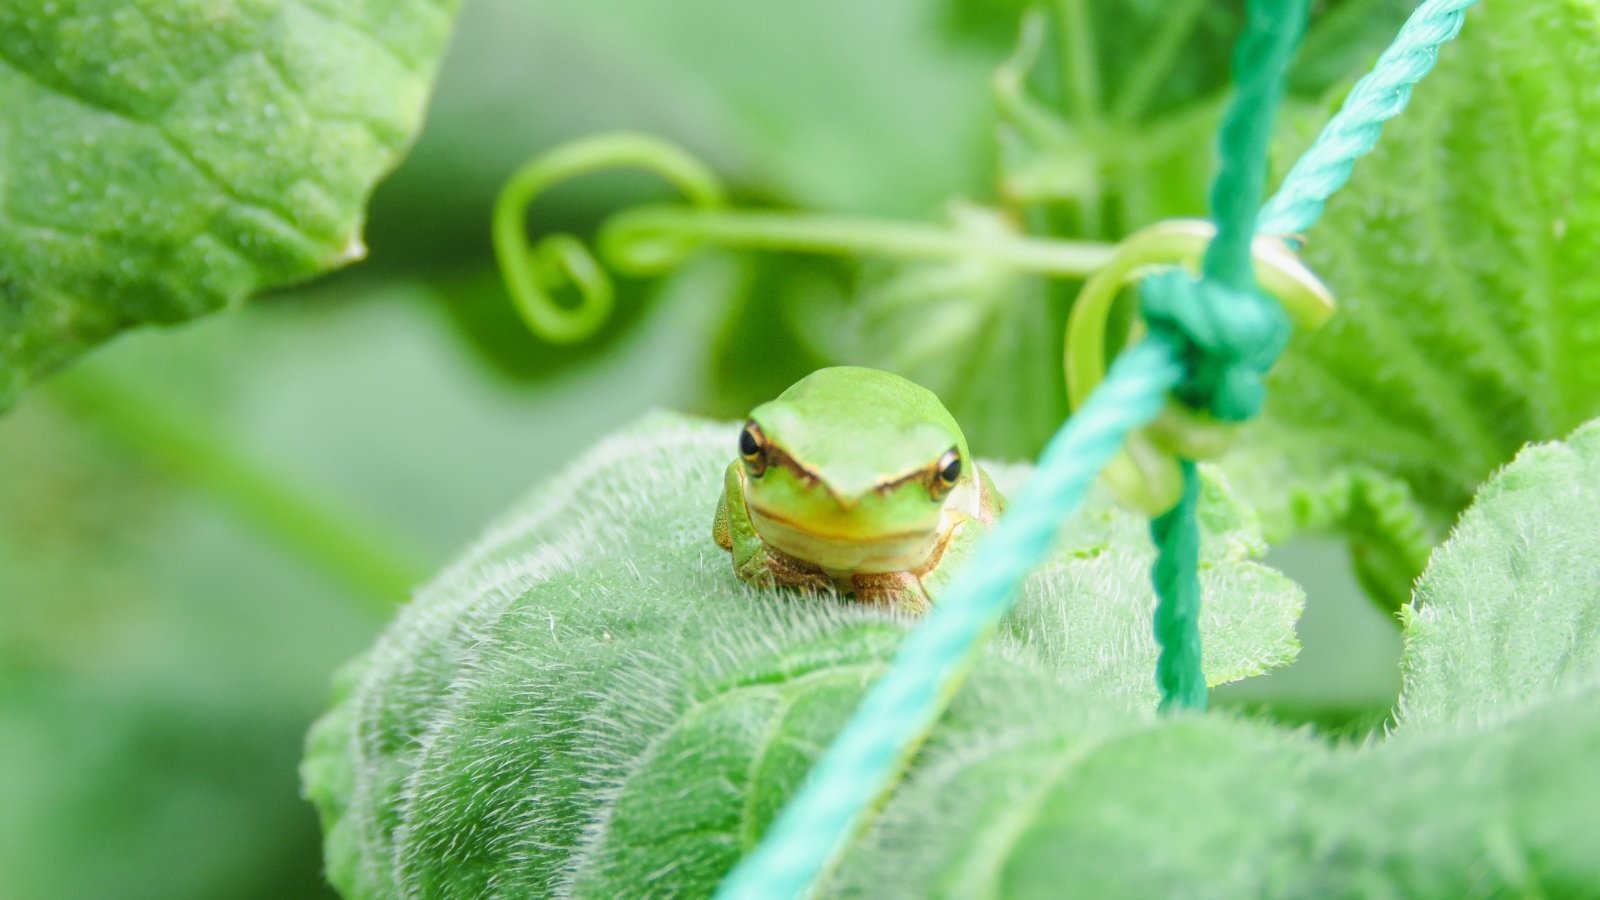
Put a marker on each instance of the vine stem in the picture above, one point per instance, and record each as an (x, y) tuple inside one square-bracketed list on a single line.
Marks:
[(648, 238), (1155, 67), (1081, 67), (1080, 64), (653, 239), (357, 552)]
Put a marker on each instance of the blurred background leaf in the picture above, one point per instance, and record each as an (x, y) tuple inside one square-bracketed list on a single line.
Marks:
[(1106, 115), (159, 161)]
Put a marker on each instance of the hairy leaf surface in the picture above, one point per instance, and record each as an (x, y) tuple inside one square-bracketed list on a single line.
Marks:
[(1508, 609), (589, 704), (590, 697), (159, 160), (1217, 807), (1485, 786)]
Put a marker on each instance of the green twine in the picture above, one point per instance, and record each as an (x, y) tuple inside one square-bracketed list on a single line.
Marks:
[(1272, 34), (1352, 133), (1177, 619), (1231, 333), (855, 771)]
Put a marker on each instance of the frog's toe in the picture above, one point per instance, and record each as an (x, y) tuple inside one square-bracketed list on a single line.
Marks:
[(774, 568), (899, 591)]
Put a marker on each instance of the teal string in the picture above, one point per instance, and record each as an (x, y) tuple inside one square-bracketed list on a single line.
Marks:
[(1355, 129), (1177, 619), (1272, 33), (1231, 333), (900, 709)]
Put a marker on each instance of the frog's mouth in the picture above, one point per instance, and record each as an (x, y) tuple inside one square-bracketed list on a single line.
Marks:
[(844, 536), (843, 551)]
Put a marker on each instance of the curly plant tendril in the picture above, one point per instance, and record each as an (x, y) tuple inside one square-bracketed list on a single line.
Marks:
[(650, 240), (533, 273), (1178, 356)]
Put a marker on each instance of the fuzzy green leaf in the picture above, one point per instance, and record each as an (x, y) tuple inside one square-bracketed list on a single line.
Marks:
[(1462, 254), (555, 715), (159, 160), (1508, 609), (1216, 807), (1485, 787), (590, 697)]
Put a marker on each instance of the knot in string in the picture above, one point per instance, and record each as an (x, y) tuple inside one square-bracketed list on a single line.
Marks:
[(1228, 339)]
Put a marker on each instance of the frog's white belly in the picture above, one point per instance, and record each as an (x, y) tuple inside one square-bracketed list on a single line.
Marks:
[(842, 557)]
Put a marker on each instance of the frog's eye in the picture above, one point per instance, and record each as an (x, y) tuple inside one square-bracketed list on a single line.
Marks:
[(752, 448), (946, 472)]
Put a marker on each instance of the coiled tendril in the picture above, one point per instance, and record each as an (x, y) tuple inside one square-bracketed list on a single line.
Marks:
[(534, 274)]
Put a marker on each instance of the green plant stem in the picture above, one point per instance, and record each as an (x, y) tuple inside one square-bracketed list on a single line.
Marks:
[(1039, 124), (358, 553), (1080, 67), (1081, 70), (630, 237), (1155, 66)]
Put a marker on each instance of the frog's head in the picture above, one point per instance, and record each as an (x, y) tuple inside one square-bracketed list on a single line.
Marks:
[(855, 455)]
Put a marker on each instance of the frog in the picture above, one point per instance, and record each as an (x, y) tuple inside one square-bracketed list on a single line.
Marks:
[(858, 481)]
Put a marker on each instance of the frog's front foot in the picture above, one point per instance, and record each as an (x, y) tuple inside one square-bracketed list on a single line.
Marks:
[(769, 567), (899, 591)]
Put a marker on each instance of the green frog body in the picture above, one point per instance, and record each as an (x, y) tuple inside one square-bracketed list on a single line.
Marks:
[(858, 480)]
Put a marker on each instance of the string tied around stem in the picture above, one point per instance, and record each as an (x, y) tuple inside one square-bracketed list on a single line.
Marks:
[(1226, 338), (1229, 339)]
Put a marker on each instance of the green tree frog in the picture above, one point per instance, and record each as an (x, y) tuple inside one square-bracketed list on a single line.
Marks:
[(858, 480)]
